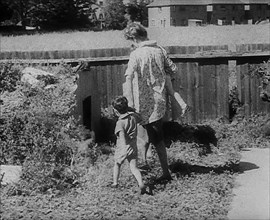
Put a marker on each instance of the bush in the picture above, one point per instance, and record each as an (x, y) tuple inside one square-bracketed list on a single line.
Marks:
[(8, 81), (38, 129)]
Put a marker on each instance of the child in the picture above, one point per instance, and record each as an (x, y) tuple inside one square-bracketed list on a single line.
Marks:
[(126, 143)]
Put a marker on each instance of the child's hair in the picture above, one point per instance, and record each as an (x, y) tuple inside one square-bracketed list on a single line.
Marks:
[(120, 103), (135, 31)]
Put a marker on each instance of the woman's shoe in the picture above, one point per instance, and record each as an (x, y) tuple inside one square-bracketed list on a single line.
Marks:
[(143, 190), (164, 178), (114, 186)]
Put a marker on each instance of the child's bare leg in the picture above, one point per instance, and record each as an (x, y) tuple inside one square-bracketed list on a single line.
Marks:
[(116, 173), (136, 172)]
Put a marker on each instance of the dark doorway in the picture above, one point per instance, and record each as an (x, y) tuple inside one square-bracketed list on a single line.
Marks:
[(87, 112)]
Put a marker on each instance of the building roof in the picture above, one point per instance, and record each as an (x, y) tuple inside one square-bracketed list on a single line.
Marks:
[(226, 2), (256, 1), (162, 3), (159, 3)]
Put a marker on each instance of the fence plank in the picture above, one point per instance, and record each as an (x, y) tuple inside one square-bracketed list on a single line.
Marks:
[(203, 80), (191, 95), (247, 103), (223, 91)]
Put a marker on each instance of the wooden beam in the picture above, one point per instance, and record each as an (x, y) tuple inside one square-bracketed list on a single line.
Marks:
[(198, 55)]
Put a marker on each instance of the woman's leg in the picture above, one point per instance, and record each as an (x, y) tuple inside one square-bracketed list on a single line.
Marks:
[(143, 146), (162, 155), (155, 131)]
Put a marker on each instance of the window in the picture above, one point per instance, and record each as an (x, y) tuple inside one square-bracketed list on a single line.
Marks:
[(159, 9), (247, 7), (153, 23), (182, 8), (223, 8), (100, 17), (183, 22), (209, 8), (195, 9), (174, 8), (234, 8), (173, 22)]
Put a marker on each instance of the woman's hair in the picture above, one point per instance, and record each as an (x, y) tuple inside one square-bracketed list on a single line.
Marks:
[(135, 31), (120, 103)]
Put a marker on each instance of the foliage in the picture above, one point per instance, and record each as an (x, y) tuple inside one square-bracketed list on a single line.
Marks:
[(8, 81), (38, 129), (242, 132), (52, 14), (138, 12), (5, 11), (193, 196), (114, 14), (234, 102)]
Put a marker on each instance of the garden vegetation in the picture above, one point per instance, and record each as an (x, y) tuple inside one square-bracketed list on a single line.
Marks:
[(39, 132)]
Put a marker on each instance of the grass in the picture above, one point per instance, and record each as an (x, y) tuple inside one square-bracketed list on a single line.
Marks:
[(198, 190), (180, 36), (190, 196)]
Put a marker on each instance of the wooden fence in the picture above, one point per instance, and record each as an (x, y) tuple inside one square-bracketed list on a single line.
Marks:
[(205, 75)]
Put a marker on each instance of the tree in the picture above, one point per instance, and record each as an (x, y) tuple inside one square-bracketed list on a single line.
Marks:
[(61, 14), (114, 14), (5, 11), (20, 9), (138, 12), (51, 14)]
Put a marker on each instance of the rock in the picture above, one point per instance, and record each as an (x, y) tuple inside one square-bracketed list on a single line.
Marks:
[(10, 174), (31, 75)]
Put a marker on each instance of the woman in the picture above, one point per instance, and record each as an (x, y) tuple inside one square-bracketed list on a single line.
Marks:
[(145, 89)]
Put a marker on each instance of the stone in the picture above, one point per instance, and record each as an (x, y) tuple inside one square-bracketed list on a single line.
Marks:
[(10, 174), (30, 75)]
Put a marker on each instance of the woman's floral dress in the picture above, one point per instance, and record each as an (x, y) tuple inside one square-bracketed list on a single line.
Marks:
[(146, 67)]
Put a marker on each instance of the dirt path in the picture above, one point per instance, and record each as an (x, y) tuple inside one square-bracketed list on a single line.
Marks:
[(251, 199)]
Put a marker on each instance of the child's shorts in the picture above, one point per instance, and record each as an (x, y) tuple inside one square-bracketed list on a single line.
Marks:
[(128, 152)]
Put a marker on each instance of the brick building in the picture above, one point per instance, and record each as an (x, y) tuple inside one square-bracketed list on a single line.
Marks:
[(165, 13)]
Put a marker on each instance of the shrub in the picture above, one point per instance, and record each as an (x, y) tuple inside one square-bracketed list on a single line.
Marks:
[(8, 81), (38, 129)]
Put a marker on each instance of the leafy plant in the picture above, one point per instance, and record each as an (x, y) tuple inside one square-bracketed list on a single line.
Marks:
[(38, 129), (9, 81)]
